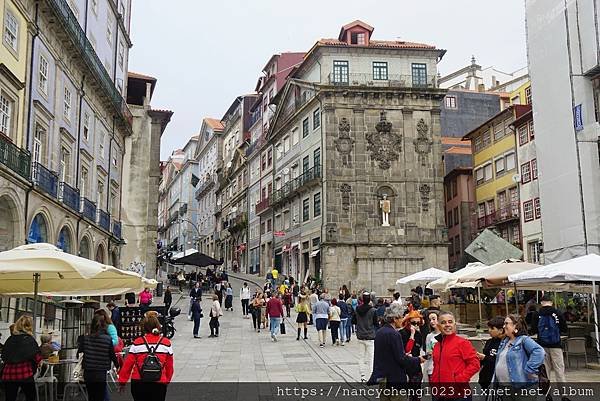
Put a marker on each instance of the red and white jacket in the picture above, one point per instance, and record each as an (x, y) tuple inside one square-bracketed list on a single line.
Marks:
[(137, 354)]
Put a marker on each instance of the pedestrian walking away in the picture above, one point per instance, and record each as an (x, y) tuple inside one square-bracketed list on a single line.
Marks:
[(98, 353), (274, 314), (245, 299), (320, 310), (115, 316), (344, 319), (366, 321), (334, 321), (196, 315), (168, 299), (148, 384), (303, 310), (228, 297), (21, 356), (215, 313)]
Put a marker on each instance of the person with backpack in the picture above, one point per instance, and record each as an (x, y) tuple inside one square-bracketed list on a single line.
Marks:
[(149, 363), (98, 353), (548, 324)]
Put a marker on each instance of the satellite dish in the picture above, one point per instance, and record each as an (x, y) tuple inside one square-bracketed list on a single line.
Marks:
[(516, 177)]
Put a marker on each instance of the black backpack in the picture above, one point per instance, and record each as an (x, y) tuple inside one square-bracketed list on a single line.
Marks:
[(151, 369)]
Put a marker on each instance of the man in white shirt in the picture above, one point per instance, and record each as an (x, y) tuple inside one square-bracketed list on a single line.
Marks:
[(245, 297)]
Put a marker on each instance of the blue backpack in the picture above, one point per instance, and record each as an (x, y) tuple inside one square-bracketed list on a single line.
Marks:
[(548, 329)]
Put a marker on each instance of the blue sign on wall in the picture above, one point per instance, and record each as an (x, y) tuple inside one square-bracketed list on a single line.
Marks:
[(578, 118)]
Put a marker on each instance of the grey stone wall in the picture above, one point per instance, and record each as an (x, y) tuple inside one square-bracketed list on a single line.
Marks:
[(376, 142)]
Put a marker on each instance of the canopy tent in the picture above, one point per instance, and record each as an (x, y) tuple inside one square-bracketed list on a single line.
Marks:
[(44, 269), (197, 259), (496, 275), (424, 276), (445, 283), (183, 253), (580, 269)]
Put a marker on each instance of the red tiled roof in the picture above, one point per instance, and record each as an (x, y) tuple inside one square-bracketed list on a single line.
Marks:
[(214, 124), (387, 44), (450, 140), (459, 150)]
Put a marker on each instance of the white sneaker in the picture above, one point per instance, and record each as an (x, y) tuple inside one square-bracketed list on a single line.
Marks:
[(275, 338)]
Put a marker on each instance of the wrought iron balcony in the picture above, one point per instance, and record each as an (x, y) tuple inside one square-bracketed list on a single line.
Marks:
[(205, 186), (510, 211), (262, 206), (15, 158), (88, 209), (290, 188), (391, 81), (45, 179), (104, 219), (69, 196), (116, 229), (69, 22)]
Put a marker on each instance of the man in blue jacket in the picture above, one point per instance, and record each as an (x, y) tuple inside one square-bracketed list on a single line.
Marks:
[(390, 362)]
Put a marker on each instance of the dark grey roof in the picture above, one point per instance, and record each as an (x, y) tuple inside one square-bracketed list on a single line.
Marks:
[(489, 248)]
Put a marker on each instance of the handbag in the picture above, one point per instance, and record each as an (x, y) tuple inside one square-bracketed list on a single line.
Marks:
[(282, 328), (78, 370)]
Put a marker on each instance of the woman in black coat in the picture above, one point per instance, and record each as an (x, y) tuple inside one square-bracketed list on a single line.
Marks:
[(98, 353), (413, 341)]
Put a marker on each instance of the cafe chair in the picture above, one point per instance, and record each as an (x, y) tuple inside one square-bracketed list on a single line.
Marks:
[(75, 391), (575, 347)]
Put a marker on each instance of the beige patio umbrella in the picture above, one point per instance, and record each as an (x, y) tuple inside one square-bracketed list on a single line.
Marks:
[(43, 269)]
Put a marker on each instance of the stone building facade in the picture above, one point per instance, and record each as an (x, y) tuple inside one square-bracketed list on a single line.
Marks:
[(375, 108)]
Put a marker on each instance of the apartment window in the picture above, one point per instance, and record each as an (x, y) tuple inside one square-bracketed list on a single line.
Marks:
[(263, 161), (531, 134), (537, 208), (357, 38), (11, 30), (101, 146), (451, 247), (477, 143), (456, 216), (100, 194), (43, 75), (528, 210), (109, 29), (516, 100), (316, 118), (448, 192), (5, 115), (114, 161), (533, 254), (534, 170), (38, 144), (380, 70), (419, 74), (278, 225), (486, 139), (295, 136), (65, 164), (490, 207), (523, 135), (269, 225), (317, 204), (449, 219), (286, 144), (67, 98), (305, 210), (84, 181), (286, 220), (340, 72), (525, 172), (305, 164), (295, 213), (499, 166), (479, 176), (510, 161), (86, 126), (481, 210), (305, 128), (450, 102), (121, 54), (269, 158), (279, 150), (263, 228), (498, 131), (113, 204), (457, 245), (317, 158), (528, 95)]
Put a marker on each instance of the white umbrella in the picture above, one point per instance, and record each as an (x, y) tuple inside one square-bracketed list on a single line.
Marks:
[(44, 269), (583, 268), (423, 276), (446, 283)]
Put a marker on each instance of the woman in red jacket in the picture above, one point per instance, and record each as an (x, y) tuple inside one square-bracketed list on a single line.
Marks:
[(148, 391), (455, 362)]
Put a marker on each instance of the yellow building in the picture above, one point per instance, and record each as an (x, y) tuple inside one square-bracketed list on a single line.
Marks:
[(13, 69), (495, 176), (521, 95)]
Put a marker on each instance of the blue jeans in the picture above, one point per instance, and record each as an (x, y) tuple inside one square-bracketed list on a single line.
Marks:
[(196, 325), (274, 325), (344, 330)]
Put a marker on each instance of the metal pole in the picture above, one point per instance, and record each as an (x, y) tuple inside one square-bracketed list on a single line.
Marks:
[(479, 296), (505, 300), (516, 299), (595, 301), (36, 283)]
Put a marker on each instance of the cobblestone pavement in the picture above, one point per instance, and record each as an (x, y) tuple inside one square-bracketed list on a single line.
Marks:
[(241, 355)]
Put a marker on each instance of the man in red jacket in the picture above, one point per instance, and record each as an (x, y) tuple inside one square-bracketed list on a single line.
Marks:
[(455, 362), (275, 314)]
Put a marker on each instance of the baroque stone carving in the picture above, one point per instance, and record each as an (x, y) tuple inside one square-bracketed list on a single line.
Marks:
[(331, 232), (422, 142), (344, 143), (424, 190), (384, 145), (345, 190)]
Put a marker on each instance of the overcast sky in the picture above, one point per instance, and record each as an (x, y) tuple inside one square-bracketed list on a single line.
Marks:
[(206, 52)]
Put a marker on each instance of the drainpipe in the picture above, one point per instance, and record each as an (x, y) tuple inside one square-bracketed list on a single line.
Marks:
[(77, 178)]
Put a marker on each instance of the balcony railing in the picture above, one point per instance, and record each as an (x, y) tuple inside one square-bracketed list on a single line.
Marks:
[(69, 196), (88, 209), (45, 179), (89, 56), (508, 212), (205, 186), (116, 229), (104, 219), (262, 206), (392, 81), (15, 158), (293, 186)]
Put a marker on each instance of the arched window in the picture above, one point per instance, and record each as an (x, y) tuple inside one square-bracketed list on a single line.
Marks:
[(84, 248), (64, 240), (38, 231), (114, 259), (100, 254)]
